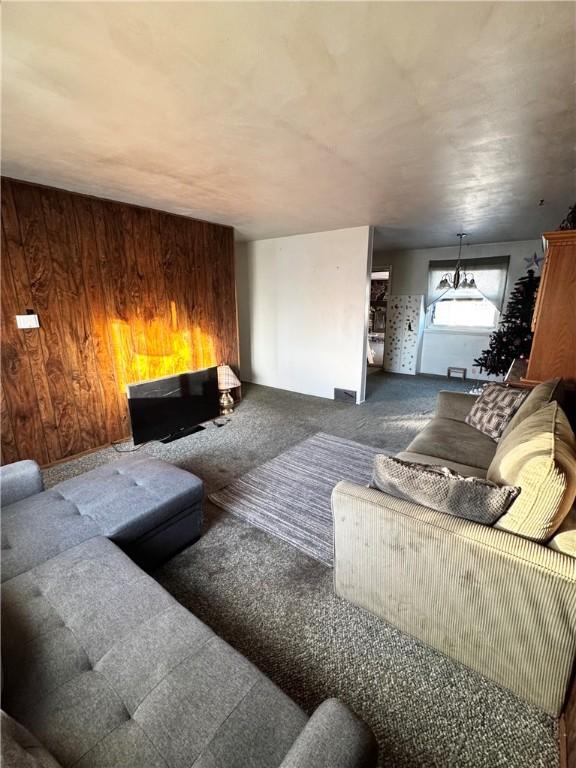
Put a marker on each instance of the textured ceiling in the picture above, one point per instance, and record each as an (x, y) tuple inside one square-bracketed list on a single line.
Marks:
[(280, 118)]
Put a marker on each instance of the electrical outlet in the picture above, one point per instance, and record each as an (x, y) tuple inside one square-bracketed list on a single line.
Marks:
[(27, 321)]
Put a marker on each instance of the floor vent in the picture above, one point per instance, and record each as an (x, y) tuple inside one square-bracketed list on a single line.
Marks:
[(345, 395)]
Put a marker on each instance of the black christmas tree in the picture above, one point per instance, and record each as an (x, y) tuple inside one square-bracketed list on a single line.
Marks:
[(513, 337)]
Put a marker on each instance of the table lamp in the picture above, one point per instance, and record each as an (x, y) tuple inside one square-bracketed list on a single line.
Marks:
[(227, 380)]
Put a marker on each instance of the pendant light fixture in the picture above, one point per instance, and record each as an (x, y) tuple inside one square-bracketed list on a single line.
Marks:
[(459, 279)]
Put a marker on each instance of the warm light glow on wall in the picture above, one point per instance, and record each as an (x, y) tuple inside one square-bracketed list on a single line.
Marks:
[(149, 349)]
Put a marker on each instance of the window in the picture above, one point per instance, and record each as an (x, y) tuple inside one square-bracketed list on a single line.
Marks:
[(477, 307), (464, 312)]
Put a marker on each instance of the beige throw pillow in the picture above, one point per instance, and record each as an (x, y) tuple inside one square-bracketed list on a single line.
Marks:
[(538, 456), (442, 489)]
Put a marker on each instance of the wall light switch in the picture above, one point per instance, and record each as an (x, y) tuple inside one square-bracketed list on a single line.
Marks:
[(27, 321)]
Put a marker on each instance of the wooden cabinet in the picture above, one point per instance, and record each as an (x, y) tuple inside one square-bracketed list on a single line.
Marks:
[(554, 322), (404, 326)]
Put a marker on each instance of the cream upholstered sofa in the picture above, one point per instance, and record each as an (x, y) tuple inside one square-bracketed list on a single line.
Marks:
[(495, 601)]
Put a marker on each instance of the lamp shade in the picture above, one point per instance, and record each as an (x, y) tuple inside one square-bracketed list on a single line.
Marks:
[(443, 285), (227, 379)]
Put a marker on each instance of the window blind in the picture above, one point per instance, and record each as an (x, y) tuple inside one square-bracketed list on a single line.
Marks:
[(490, 275)]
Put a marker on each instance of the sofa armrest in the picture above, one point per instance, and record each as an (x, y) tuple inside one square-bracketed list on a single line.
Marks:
[(454, 405), (19, 480), (333, 738), (485, 597)]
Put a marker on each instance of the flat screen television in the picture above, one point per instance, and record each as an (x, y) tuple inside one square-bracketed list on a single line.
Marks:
[(174, 406)]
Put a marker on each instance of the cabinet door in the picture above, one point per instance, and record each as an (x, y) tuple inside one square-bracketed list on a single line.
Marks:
[(393, 337), (394, 334), (554, 343), (403, 330), (411, 333)]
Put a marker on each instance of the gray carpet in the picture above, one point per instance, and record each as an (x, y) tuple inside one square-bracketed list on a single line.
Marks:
[(277, 605), (289, 496)]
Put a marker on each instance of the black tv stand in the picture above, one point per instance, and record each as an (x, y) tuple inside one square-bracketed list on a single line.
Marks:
[(182, 433)]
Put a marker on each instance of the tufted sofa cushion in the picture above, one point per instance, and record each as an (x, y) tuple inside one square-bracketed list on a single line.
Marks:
[(124, 500), (19, 748), (105, 668), (39, 527)]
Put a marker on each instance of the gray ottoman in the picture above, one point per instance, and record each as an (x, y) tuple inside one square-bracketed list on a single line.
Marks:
[(150, 508)]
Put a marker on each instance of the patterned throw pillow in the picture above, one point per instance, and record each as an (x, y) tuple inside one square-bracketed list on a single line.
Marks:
[(442, 489), (494, 408)]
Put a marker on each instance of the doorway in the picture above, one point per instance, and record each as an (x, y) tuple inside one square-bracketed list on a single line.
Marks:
[(379, 294)]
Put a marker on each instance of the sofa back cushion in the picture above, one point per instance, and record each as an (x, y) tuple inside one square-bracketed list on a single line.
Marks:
[(538, 456), (454, 441), (537, 398)]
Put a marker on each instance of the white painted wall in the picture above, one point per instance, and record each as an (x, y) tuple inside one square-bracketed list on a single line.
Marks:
[(302, 311), (440, 348)]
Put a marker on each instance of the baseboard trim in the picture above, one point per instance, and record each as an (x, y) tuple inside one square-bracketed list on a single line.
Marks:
[(79, 455)]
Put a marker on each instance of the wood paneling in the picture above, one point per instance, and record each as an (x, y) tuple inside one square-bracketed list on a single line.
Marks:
[(123, 294), (554, 344)]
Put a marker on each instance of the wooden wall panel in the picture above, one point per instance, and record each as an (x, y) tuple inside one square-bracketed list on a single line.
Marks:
[(110, 395), (123, 294), (18, 384), (16, 293), (9, 451)]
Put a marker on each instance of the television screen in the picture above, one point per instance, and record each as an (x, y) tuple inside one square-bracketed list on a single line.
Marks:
[(173, 405)]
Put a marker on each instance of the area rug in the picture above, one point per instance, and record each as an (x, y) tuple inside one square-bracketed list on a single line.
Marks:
[(289, 496)]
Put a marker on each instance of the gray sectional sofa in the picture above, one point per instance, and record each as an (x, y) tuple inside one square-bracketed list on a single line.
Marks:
[(149, 508), (102, 667)]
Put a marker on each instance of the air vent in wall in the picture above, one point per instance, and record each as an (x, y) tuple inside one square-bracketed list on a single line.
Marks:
[(345, 395)]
